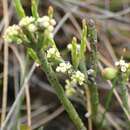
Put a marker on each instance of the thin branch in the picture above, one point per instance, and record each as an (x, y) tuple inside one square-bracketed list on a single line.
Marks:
[(5, 74), (20, 94), (28, 103)]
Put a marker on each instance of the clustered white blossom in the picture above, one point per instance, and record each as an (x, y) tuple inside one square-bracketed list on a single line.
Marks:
[(78, 77), (32, 25), (46, 22), (26, 21), (29, 23), (123, 65), (64, 67), (53, 53), (12, 34)]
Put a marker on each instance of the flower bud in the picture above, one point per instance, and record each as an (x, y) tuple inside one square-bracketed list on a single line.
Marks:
[(70, 91), (52, 22), (50, 28), (109, 73)]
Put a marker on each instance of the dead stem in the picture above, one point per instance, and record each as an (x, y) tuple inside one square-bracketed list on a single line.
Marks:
[(28, 104), (5, 74), (19, 95)]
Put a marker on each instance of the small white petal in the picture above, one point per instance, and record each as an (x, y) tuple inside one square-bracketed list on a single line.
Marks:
[(45, 24), (45, 18), (87, 115), (32, 28), (117, 63), (69, 46), (50, 28), (123, 69), (122, 62), (52, 22)]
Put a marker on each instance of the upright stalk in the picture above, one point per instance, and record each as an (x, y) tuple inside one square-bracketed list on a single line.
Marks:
[(5, 76), (60, 92), (89, 108)]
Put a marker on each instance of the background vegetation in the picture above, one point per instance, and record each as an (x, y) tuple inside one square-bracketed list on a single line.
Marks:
[(112, 18)]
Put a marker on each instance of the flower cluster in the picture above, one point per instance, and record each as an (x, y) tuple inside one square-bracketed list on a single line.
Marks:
[(64, 67), (26, 21), (12, 34), (78, 77), (46, 22), (122, 65), (71, 85), (53, 53), (30, 24)]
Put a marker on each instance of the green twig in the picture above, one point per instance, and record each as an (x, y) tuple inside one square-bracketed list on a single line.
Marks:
[(92, 37), (19, 8), (124, 93), (107, 102), (34, 8), (60, 92)]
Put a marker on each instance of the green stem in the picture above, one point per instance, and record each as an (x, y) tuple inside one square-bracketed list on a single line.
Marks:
[(19, 8), (108, 101), (34, 8), (60, 92), (92, 88), (124, 94), (92, 37)]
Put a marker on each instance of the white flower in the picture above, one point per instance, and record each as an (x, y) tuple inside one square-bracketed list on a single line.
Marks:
[(53, 53), (122, 62), (63, 67), (26, 21), (123, 69), (52, 22), (69, 46), (43, 21), (78, 77), (12, 30), (46, 22), (32, 27), (45, 18), (117, 63), (50, 28), (123, 65), (11, 34)]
